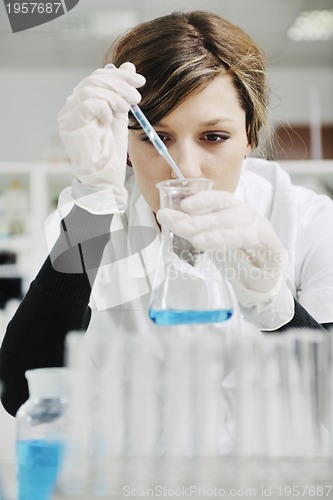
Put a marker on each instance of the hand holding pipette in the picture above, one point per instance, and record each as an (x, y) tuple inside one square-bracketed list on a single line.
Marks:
[(153, 136), (93, 125)]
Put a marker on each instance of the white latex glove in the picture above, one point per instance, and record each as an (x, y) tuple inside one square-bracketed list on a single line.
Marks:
[(245, 249), (93, 125)]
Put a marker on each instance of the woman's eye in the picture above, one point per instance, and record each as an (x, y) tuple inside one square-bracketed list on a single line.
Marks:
[(163, 138), (216, 137)]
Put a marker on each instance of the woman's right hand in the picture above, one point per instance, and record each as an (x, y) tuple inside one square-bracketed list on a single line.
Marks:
[(93, 125)]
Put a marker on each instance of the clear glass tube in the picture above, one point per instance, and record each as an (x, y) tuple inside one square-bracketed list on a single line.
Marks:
[(283, 395)]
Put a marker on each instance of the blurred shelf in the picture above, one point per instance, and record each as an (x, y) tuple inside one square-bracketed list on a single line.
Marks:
[(42, 181), (9, 271), (308, 167)]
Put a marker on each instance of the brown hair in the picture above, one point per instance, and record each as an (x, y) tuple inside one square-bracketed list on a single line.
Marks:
[(181, 52)]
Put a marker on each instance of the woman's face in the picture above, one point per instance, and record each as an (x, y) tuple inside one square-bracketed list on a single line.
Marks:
[(205, 135)]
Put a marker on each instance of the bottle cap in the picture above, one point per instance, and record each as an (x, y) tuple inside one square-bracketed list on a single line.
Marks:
[(47, 383)]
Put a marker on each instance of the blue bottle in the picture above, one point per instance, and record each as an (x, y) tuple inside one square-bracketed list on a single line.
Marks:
[(40, 433)]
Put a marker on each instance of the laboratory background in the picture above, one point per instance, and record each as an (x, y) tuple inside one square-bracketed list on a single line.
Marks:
[(40, 66)]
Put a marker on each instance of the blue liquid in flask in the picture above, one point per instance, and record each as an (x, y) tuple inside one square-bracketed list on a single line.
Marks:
[(38, 463), (183, 317)]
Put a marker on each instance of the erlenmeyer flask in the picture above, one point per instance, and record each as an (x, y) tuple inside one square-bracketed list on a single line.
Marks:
[(188, 286)]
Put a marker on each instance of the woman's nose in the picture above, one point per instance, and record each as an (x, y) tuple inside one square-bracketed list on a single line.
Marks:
[(188, 163)]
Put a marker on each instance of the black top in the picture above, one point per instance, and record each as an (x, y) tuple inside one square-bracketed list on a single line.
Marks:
[(57, 302)]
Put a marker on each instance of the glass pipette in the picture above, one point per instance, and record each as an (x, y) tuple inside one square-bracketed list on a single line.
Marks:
[(153, 136), (156, 140)]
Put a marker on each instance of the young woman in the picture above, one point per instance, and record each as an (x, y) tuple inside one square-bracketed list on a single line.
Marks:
[(202, 85)]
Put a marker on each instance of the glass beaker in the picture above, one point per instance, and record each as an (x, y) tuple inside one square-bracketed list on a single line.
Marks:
[(188, 286)]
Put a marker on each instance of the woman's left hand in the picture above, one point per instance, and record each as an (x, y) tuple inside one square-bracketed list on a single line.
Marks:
[(243, 243)]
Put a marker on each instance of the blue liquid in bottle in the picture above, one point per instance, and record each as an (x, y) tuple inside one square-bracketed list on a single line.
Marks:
[(38, 463), (179, 317)]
